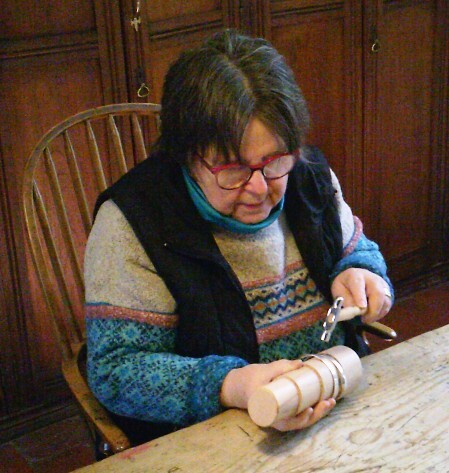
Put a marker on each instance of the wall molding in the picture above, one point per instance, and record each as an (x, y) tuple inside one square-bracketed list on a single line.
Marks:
[(24, 422)]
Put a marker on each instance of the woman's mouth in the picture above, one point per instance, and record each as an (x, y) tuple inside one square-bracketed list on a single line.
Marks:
[(253, 206)]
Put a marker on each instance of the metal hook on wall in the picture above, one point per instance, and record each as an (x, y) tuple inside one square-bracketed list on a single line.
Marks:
[(375, 42), (136, 21), (375, 47), (143, 90)]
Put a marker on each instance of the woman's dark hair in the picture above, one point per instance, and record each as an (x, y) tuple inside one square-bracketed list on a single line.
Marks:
[(211, 92)]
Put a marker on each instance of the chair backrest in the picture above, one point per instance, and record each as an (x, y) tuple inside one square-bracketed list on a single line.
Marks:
[(68, 168)]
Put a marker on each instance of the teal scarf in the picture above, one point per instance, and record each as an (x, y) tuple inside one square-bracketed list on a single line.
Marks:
[(211, 215)]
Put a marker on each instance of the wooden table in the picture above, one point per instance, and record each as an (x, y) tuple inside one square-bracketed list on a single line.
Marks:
[(396, 421)]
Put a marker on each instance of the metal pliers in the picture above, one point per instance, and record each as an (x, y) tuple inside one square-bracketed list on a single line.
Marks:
[(337, 313), (330, 322)]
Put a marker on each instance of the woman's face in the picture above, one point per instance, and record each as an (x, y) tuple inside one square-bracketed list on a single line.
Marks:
[(253, 202)]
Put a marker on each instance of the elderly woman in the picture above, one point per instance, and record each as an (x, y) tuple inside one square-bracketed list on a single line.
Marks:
[(211, 265)]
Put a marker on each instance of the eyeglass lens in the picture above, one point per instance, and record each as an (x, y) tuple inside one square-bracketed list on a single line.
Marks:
[(234, 177)]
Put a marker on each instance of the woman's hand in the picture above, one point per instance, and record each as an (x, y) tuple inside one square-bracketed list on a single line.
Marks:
[(364, 289), (307, 417), (240, 383)]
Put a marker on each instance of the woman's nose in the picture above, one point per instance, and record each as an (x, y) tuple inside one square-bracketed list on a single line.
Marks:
[(257, 182)]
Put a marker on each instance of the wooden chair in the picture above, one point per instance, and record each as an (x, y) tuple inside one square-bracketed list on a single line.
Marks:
[(65, 172)]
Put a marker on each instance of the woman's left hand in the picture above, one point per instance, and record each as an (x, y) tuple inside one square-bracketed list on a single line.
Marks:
[(364, 289)]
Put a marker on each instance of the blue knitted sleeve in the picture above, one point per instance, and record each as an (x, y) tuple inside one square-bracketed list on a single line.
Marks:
[(365, 255), (132, 370)]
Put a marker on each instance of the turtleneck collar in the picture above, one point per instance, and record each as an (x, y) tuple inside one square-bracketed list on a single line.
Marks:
[(211, 215)]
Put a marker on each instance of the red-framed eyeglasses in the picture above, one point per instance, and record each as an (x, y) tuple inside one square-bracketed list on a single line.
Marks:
[(234, 175)]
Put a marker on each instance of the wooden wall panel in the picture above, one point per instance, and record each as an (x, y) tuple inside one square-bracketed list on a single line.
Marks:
[(161, 10), (31, 19), (54, 62), (405, 143), (15, 353), (163, 52), (405, 158), (52, 86), (44, 81), (163, 32), (315, 37)]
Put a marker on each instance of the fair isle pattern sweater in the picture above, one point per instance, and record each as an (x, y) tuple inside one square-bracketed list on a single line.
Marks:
[(131, 316)]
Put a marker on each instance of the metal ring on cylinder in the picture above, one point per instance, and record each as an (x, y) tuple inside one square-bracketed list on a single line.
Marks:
[(300, 395), (333, 370), (341, 374), (298, 389)]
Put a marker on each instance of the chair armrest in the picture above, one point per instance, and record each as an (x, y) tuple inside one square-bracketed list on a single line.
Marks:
[(92, 409)]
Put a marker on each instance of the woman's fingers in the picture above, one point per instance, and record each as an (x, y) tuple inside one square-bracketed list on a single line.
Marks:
[(282, 366), (307, 417), (378, 310), (351, 285), (240, 383), (362, 288)]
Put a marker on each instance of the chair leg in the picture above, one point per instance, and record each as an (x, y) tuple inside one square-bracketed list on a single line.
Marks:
[(102, 448)]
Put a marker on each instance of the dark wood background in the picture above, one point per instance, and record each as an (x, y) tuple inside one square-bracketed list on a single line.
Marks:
[(376, 77)]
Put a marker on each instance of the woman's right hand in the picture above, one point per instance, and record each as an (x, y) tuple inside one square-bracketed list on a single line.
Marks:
[(240, 383)]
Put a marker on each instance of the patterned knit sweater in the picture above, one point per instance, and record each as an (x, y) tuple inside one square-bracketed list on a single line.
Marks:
[(131, 317)]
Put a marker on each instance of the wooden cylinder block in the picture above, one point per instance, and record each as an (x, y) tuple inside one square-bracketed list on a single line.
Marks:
[(332, 373)]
